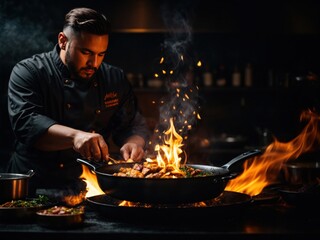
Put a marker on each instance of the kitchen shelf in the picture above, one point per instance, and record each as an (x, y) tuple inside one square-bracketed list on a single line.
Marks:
[(221, 89)]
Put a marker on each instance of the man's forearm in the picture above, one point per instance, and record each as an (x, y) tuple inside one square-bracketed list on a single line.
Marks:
[(57, 137)]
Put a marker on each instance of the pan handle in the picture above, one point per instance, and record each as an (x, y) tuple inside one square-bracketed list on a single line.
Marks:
[(240, 157), (30, 173), (91, 164)]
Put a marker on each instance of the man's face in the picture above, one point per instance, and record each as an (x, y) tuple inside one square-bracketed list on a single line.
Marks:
[(85, 53)]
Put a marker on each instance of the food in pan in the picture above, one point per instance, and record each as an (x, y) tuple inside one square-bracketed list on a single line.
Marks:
[(152, 170)]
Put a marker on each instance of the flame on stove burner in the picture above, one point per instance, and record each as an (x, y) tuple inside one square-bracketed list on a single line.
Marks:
[(264, 170), (90, 178), (126, 203), (73, 200)]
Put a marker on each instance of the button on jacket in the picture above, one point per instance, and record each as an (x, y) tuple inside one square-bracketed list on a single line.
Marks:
[(41, 93)]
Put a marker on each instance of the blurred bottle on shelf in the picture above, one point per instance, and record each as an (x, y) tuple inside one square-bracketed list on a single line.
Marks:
[(236, 77), (207, 76), (137, 80), (131, 78), (221, 77), (154, 82), (248, 75), (141, 80)]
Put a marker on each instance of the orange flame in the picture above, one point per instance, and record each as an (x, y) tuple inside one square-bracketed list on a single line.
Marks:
[(90, 178), (263, 170), (73, 200), (168, 153)]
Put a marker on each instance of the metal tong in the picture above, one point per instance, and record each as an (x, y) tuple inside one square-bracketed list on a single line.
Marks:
[(114, 161)]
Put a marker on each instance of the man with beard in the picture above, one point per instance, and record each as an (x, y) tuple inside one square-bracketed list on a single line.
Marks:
[(67, 104)]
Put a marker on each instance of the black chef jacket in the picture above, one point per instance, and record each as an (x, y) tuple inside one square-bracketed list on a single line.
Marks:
[(41, 93)]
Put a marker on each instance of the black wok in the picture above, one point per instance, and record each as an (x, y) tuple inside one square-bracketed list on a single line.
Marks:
[(166, 190)]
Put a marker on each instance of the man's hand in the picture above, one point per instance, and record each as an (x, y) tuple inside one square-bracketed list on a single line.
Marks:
[(132, 151), (133, 148), (58, 137), (91, 146)]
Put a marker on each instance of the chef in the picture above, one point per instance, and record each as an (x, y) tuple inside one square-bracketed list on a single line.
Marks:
[(68, 103)]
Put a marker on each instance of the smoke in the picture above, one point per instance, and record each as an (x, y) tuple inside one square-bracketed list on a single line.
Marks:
[(24, 30), (181, 103), (178, 42)]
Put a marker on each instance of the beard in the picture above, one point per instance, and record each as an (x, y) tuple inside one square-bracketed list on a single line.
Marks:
[(76, 73)]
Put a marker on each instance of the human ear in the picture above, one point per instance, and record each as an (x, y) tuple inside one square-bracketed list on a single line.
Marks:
[(62, 40)]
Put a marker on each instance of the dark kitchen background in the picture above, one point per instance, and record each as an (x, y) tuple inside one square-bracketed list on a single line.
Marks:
[(260, 62)]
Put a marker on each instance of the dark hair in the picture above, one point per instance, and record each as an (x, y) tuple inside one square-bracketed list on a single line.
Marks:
[(87, 20)]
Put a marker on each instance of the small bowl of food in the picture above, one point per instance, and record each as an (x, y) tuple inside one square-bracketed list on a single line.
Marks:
[(61, 217), (23, 210)]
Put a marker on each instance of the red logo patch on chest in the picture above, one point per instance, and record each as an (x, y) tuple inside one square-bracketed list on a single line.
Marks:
[(111, 99)]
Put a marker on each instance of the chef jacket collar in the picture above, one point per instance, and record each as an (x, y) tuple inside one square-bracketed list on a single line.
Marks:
[(56, 57)]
